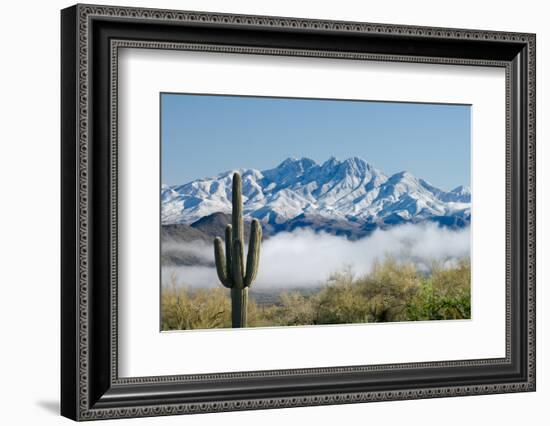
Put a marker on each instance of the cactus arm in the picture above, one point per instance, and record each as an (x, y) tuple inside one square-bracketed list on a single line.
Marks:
[(253, 257), (237, 214), (237, 266), (221, 267), (229, 250)]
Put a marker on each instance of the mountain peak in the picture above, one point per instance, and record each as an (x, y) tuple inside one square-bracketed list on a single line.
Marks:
[(403, 175), (344, 190), (355, 159), (291, 167), (331, 160), (356, 164), (290, 161), (461, 189), (289, 170)]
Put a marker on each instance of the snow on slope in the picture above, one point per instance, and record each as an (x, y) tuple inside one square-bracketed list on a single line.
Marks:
[(349, 190)]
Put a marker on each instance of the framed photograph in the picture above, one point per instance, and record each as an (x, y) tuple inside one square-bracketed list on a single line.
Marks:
[(263, 212)]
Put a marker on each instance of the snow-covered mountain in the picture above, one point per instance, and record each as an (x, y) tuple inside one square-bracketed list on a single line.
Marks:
[(350, 191)]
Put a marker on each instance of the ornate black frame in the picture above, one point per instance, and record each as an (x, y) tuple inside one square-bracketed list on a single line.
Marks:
[(91, 37)]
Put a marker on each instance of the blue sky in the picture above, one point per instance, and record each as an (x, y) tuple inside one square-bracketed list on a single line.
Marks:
[(203, 135)]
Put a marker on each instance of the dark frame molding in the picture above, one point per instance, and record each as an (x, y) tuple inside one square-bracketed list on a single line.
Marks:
[(91, 37)]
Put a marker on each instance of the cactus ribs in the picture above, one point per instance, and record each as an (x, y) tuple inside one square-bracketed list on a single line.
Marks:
[(230, 266)]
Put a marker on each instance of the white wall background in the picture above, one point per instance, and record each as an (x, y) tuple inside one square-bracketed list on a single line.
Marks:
[(29, 214)]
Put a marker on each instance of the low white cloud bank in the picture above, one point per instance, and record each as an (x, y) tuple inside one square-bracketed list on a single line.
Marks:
[(305, 259), (197, 248), (190, 276)]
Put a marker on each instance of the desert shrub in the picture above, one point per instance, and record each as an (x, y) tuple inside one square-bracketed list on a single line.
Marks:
[(183, 308), (392, 291), (444, 294), (387, 289), (261, 316), (395, 291), (340, 301), (296, 309), (186, 309)]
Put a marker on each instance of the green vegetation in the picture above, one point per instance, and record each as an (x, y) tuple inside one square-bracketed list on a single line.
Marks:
[(230, 266), (392, 291)]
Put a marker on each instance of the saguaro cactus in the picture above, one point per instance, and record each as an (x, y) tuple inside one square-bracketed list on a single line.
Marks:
[(230, 266)]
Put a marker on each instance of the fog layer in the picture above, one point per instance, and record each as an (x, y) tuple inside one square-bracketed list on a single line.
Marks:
[(307, 259)]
